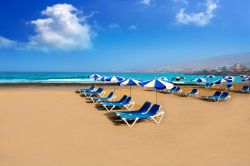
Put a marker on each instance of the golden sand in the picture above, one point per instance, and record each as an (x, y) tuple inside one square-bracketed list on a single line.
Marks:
[(56, 127)]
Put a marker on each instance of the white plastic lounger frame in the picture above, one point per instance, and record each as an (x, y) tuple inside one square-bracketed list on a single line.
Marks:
[(82, 91), (153, 118), (97, 101), (196, 94), (99, 94), (128, 106), (227, 98)]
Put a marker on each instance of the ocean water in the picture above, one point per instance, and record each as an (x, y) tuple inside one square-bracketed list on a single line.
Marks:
[(67, 77)]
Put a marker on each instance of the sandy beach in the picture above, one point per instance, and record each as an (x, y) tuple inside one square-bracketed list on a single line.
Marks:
[(54, 126)]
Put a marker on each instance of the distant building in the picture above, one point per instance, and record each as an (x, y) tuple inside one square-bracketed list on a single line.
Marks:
[(238, 67), (222, 68)]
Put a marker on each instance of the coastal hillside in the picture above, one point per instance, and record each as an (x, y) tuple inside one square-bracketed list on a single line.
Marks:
[(208, 63)]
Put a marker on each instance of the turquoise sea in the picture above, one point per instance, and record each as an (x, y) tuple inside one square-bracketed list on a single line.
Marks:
[(69, 77)]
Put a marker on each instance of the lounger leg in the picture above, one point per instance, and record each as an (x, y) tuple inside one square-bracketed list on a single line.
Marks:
[(132, 124), (82, 94), (105, 107), (108, 109), (112, 108), (161, 114), (92, 100), (97, 101), (129, 106)]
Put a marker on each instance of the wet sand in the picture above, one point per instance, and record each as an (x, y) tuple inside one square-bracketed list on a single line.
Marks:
[(57, 127)]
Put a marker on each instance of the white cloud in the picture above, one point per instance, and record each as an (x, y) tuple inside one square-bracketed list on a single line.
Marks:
[(4, 42), (114, 26), (183, 1), (200, 18), (132, 27), (146, 2), (62, 29)]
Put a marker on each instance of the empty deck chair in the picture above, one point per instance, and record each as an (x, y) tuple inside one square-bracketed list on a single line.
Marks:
[(98, 92), (86, 89), (152, 114), (123, 98), (224, 96), (211, 85), (213, 97), (144, 108), (177, 90), (191, 93), (171, 90), (127, 104), (229, 87), (207, 85), (245, 89), (110, 97)]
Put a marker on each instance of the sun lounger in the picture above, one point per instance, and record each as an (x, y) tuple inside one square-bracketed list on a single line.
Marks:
[(177, 90), (171, 90), (143, 109), (213, 97), (209, 85), (229, 87), (98, 92), (152, 114), (191, 93), (127, 104), (224, 96), (86, 89), (124, 97), (245, 89), (110, 97)]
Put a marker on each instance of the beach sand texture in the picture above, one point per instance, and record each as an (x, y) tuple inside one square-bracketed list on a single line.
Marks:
[(56, 127)]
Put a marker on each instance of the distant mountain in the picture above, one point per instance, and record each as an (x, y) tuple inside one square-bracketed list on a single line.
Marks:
[(208, 63)]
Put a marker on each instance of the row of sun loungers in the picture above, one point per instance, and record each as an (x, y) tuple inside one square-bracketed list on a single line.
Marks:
[(245, 89), (147, 111), (209, 85), (217, 96), (174, 90)]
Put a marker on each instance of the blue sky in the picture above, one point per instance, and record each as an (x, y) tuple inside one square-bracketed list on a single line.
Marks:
[(114, 35)]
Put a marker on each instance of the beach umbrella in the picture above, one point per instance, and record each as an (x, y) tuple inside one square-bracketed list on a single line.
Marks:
[(114, 80), (95, 76), (229, 77), (102, 79), (130, 82), (158, 84), (243, 76), (246, 79), (229, 80), (210, 76), (178, 78), (163, 78), (220, 81), (199, 80)]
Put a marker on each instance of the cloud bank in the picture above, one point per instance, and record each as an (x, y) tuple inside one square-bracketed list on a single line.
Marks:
[(146, 2), (63, 27), (200, 18), (4, 42)]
